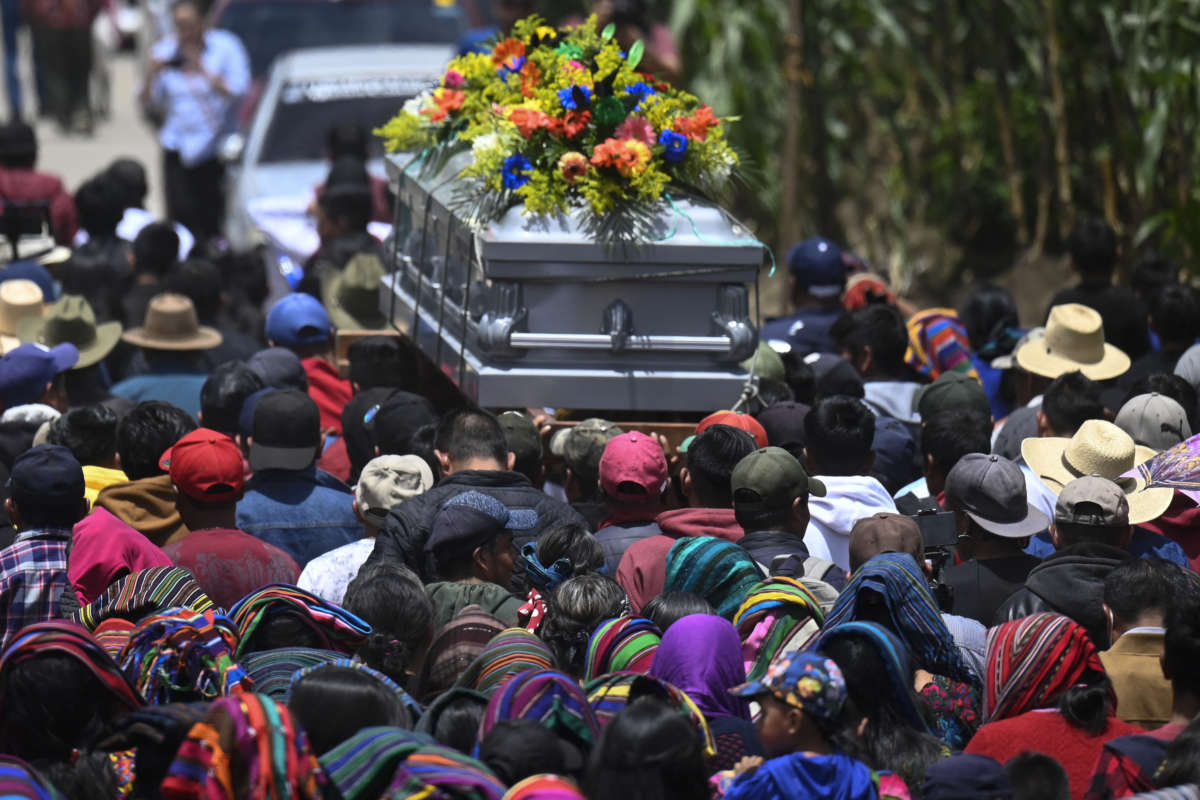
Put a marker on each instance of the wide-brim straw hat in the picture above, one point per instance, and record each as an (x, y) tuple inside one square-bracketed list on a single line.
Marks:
[(1098, 448), (20, 301), (351, 296), (72, 319), (1074, 340), (171, 324)]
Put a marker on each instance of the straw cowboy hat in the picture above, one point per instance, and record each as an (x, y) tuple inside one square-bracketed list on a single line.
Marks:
[(20, 300), (171, 324), (72, 320), (1074, 340), (351, 296), (1098, 448)]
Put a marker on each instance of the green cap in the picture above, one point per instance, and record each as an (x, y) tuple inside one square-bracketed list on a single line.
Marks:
[(771, 479), (950, 392), (521, 436), (769, 363), (582, 446)]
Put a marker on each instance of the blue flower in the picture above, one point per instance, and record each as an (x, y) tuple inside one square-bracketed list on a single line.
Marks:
[(641, 91), (567, 98), (516, 171), (510, 67), (674, 146)]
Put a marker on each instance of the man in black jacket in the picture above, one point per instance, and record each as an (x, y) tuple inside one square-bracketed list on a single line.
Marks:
[(1091, 534), (770, 502), (471, 447)]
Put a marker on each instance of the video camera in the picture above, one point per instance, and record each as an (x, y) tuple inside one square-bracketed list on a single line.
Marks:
[(939, 533)]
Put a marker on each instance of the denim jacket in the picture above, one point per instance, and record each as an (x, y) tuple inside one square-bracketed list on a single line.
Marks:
[(305, 513)]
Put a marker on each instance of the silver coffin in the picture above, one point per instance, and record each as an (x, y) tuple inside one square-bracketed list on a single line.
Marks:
[(532, 312)]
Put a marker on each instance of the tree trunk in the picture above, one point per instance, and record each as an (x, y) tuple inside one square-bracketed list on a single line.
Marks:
[(1058, 111), (793, 74)]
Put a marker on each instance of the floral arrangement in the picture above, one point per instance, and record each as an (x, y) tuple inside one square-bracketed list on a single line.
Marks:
[(562, 119)]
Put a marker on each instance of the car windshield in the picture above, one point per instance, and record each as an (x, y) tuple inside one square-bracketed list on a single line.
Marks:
[(277, 26), (307, 109)]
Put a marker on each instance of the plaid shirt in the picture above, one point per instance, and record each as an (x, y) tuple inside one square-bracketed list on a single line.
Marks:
[(33, 577)]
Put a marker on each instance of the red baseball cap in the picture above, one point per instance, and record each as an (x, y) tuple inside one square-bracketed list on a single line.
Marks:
[(633, 457), (735, 420), (206, 466)]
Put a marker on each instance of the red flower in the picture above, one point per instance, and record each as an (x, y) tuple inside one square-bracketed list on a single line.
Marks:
[(509, 48), (573, 124), (696, 126), (446, 100), (528, 120)]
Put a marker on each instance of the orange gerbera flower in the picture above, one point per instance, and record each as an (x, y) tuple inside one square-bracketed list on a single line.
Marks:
[(509, 48), (573, 166), (528, 120), (531, 77), (696, 126), (445, 100), (629, 156), (574, 123)]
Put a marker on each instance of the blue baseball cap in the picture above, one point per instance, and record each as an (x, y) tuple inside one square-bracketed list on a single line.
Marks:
[(513, 519), (808, 681), (298, 320), (25, 370), (818, 267), (47, 475), (31, 271)]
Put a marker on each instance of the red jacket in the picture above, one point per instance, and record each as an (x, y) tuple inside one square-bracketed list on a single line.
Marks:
[(329, 391), (31, 186), (643, 569)]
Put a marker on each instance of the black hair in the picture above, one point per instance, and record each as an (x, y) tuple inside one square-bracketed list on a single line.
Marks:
[(281, 627), (1141, 585), (18, 145), (573, 611), (1175, 316), (1150, 272), (334, 703), (649, 751), (987, 311), (839, 431), (1175, 387), (146, 432), (392, 600), (1037, 776), (88, 385), (1070, 400), (949, 436), (347, 202), (457, 724), (400, 415), (770, 392), (1181, 643), (383, 361), (224, 394), (800, 377), (758, 519), (666, 609), (516, 749), (155, 249), (711, 459), (88, 775), (346, 139), (53, 704), (635, 13), (574, 542), (889, 741), (89, 432), (1181, 762), (1093, 246), (53, 516), (471, 433), (1088, 704), (200, 282), (879, 327), (348, 171), (129, 175), (99, 204), (357, 431), (1078, 533), (422, 443)]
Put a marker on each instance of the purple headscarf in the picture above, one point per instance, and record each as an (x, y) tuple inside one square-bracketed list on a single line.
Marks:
[(702, 655)]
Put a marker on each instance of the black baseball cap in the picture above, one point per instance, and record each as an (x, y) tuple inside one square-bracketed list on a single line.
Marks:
[(46, 475), (286, 432), (784, 423), (279, 368), (400, 415)]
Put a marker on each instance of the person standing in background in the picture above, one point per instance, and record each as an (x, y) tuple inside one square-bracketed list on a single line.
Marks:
[(194, 82), (62, 32)]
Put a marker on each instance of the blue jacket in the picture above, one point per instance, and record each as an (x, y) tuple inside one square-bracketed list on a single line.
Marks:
[(305, 513), (835, 777)]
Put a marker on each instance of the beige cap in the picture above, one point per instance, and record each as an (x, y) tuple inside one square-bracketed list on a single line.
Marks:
[(387, 481)]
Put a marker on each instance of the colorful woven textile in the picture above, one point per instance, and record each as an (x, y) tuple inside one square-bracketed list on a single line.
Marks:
[(512, 651), (453, 649), (1032, 661), (779, 615), (66, 638), (911, 612), (154, 735), (413, 707), (272, 670), (938, 342), (896, 660), (335, 627), (253, 738), (550, 697), (19, 780), (719, 571), (544, 787), (395, 764), (1177, 468), (113, 634), (182, 656), (140, 594), (609, 694), (624, 644)]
